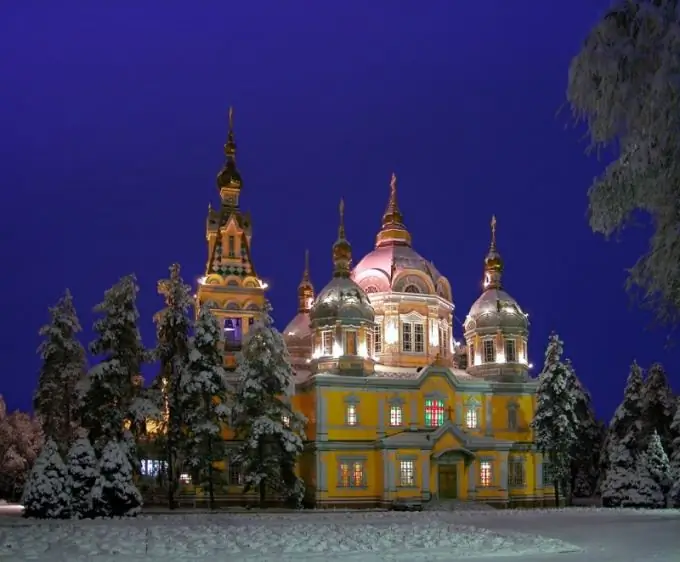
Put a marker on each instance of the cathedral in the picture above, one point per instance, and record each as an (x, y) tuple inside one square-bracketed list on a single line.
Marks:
[(397, 409)]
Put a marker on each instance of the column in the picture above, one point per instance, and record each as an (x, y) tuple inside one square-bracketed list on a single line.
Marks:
[(472, 479), (321, 416), (425, 467), (386, 475), (489, 414)]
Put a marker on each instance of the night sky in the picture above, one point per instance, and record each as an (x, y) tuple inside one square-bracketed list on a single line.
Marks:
[(112, 124)]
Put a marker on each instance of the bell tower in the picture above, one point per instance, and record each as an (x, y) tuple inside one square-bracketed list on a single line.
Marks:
[(230, 284)]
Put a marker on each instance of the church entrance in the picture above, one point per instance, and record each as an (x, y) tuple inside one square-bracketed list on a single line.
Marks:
[(448, 481)]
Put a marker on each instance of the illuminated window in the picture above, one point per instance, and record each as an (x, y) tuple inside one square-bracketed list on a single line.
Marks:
[(407, 471), (350, 342), (351, 414), (444, 341), (489, 351), (516, 477), (235, 474), (471, 419), (327, 343), (434, 413), (510, 351), (152, 467), (395, 416), (377, 340), (485, 474), (418, 338), (351, 474), (184, 478), (369, 342), (406, 337), (232, 247)]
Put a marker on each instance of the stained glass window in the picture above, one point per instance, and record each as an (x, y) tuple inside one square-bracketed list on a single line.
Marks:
[(351, 474), (434, 413)]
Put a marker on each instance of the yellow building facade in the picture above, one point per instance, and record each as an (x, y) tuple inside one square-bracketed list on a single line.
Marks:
[(396, 408)]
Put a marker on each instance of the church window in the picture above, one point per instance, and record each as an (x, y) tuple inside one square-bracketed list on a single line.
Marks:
[(350, 342), (471, 419), (395, 416), (369, 342), (510, 351), (471, 360), (232, 246), (434, 413), (411, 289), (419, 338), (407, 473), (485, 473), (489, 351), (516, 473), (235, 474), (443, 341), (152, 467), (351, 474), (232, 333), (406, 337), (351, 414), (378, 338), (327, 343)]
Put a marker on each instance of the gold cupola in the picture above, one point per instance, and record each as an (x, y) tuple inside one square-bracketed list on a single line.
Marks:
[(342, 250), (393, 231), (229, 178), (493, 263)]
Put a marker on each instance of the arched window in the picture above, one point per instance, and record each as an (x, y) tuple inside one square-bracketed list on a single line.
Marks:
[(411, 289)]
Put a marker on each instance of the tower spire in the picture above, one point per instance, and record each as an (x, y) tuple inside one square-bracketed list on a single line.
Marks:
[(493, 263), (229, 178), (305, 288), (342, 250), (393, 231)]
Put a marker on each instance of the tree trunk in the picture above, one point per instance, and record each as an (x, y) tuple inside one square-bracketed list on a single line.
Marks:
[(556, 485), (171, 475)]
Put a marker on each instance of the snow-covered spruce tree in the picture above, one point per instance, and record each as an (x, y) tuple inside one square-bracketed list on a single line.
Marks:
[(83, 470), (623, 443), (45, 495), (113, 401), (586, 447), (653, 477), (205, 392), (623, 85), (270, 431), (674, 494), (555, 420), (658, 406), (114, 493), (63, 367), (173, 346)]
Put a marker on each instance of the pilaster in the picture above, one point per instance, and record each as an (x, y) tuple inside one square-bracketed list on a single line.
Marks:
[(413, 412), (538, 460), (382, 413), (488, 416), (472, 479), (321, 416), (503, 459), (425, 467), (322, 470)]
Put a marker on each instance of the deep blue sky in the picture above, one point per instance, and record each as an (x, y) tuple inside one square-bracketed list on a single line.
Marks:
[(112, 123)]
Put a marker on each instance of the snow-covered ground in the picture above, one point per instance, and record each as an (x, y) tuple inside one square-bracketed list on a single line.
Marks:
[(543, 535)]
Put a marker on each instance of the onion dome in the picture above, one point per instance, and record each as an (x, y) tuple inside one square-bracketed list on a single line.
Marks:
[(341, 300)]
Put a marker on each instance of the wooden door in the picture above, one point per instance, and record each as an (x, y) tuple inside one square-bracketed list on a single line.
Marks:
[(448, 481)]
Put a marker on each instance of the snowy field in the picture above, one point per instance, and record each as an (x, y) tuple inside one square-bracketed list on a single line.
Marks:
[(542, 535)]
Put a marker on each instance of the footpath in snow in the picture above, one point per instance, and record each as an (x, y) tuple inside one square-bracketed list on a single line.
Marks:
[(308, 536)]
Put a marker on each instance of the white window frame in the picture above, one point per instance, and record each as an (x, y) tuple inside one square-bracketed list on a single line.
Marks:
[(486, 473), (488, 350), (351, 415), (327, 343), (407, 473), (348, 335), (377, 338), (396, 415), (510, 344)]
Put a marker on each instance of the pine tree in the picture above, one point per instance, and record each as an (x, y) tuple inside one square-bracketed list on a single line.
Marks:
[(271, 432), (204, 388), (555, 420), (83, 471), (653, 477), (113, 399), (45, 495), (623, 442), (658, 407), (55, 400), (114, 493), (674, 494), (586, 448), (172, 329), (623, 85)]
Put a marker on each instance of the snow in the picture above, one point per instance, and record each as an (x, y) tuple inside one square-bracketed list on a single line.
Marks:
[(361, 536)]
